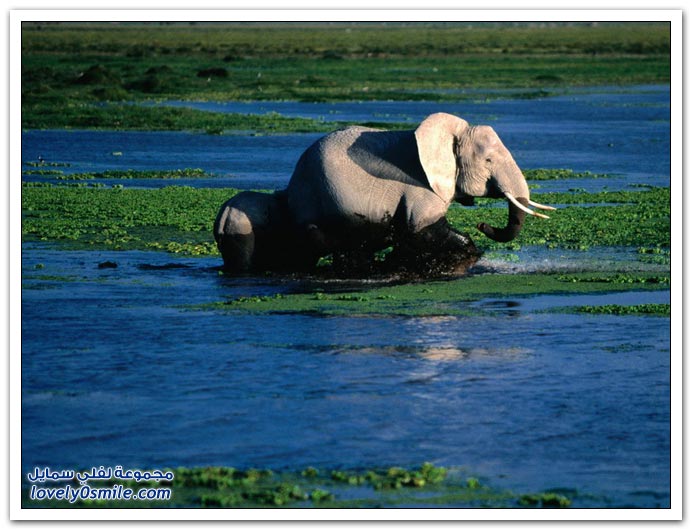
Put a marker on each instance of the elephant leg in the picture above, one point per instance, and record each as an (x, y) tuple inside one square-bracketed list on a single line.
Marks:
[(436, 249), (286, 249), (443, 237), (353, 262), (237, 251), (311, 242), (352, 253)]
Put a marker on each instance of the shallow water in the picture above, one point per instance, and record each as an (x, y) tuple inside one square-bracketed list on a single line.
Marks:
[(616, 131), (115, 372)]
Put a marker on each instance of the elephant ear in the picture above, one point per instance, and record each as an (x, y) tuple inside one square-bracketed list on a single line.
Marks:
[(436, 137)]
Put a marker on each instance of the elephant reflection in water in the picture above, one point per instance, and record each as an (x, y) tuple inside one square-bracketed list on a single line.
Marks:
[(359, 190)]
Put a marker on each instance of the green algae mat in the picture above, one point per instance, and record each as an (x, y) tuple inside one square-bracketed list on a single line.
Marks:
[(180, 219)]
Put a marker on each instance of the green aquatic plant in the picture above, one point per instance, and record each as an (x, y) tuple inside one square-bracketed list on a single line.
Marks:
[(227, 487), (127, 116), (653, 310), (393, 477), (636, 310), (179, 219), (43, 163), (626, 348), (43, 172), (320, 495), (656, 250), (617, 278), (309, 472), (502, 256), (618, 218), (656, 255), (49, 278), (175, 219), (138, 174), (557, 174), (545, 500), (435, 298)]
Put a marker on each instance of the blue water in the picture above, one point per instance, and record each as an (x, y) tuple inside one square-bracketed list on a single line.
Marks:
[(622, 133), (118, 370), (115, 372)]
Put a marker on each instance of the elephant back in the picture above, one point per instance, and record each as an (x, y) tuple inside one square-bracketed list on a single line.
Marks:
[(357, 175), (246, 213)]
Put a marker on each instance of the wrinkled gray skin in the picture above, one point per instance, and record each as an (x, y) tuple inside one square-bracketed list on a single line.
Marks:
[(253, 232), (359, 190)]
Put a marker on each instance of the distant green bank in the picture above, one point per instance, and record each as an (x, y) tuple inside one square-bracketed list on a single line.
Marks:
[(229, 41), (225, 487), (69, 71)]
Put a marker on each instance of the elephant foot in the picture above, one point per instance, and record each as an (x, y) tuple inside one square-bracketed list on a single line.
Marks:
[(353, 263), (430, 264), (437, 250), (237, 252)]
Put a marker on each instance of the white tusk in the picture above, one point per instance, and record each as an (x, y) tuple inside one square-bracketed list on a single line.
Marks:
[(524, 208), (541, 206)]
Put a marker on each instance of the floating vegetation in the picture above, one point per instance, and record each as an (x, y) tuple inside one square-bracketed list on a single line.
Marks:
[(626, 218), (127, 116), (557, 174), (254, 299), (139, 174), (179, 219), (393, 478), (545, 500), (662, 310), (203, 248), (657, 255), (502, 256), (438, 298), (48, 278), (227, 487), (43, 172), (657, 250), (43, 163), (176, 219), (616, 278), (626, 348)]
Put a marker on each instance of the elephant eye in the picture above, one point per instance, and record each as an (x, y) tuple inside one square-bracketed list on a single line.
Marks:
[(488, 160)]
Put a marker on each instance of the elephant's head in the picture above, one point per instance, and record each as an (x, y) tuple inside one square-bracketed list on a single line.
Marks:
[(461, 162)]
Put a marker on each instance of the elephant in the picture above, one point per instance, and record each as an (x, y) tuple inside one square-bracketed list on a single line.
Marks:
[(358, 190), (252, 232)]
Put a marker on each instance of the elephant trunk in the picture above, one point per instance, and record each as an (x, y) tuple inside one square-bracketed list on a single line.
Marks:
[(515, 221)]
